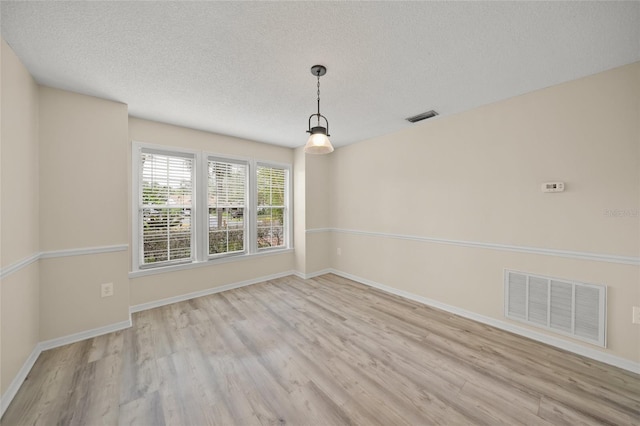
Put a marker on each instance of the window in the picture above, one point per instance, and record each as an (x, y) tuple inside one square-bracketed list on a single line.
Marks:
[(227, 206), (165, 208), (271, 206), (190, 207)]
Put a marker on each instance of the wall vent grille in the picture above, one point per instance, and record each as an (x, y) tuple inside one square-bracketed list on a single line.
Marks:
[(565, 307)]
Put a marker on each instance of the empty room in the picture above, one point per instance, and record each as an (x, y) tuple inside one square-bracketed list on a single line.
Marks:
[(319, 213)]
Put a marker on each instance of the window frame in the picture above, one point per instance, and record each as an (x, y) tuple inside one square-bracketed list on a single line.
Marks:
[(200, 210), (287, 205), (136, 218), (247, 216)]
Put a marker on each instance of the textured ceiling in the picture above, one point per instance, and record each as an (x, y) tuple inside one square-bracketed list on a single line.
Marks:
[(242, 68)]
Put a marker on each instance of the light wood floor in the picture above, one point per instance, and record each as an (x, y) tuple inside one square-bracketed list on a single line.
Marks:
[(319, 352)]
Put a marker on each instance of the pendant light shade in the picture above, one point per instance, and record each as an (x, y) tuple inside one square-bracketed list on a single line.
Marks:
[(318, 142)]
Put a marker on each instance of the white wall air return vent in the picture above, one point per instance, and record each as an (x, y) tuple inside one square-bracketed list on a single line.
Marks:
[(566, 307)]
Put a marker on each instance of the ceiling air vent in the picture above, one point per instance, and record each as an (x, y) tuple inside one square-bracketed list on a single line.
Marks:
[(423, 116)]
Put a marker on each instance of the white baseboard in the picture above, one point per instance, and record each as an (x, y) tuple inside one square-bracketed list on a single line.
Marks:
[(83, 335), (13, 388), (597, 355), (206, 292), (312, 274)]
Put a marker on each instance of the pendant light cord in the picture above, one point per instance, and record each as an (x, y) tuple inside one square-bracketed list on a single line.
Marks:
[(318, 97)]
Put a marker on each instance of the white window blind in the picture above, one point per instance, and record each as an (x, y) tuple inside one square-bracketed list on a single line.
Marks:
[(271, 206), (165, 208), (227, 198), (192, 207)]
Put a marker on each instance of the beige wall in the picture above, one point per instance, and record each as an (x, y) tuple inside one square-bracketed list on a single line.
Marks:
[(83, 204), (312, 177), (19, 292), (484, 167), (299, 209), (20, 230), (83, 171), (175, 136), (476, 177), (318, 252), (319, 178), (318, 190), (20, 320), (155, 287), (70, 299), (166, 285)]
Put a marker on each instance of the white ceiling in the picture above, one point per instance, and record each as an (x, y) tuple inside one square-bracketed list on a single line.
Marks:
[(242, 68)]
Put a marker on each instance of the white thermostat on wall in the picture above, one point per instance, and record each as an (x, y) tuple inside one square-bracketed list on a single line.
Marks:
[(553, 187)]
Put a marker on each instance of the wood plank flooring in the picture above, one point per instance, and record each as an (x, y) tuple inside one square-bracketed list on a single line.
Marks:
[(325, 351)]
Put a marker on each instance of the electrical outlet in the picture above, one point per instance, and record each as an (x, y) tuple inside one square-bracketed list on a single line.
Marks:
[(636, 315), (339, 251), (106, 290)]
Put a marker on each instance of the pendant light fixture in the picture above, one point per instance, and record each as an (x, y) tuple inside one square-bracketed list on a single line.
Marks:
[(318, 142)]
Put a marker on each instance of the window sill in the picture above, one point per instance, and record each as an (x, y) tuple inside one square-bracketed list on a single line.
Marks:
[(208, 262)]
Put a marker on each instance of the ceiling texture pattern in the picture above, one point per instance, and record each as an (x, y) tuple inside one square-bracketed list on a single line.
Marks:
[(242, 68)]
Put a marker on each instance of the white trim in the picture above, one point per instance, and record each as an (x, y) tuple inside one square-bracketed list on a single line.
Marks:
[(206, 292), (203, 237), (83, 335), (17, 381), (199, 209), (312, 274), (137, 149), (208, 262), (23, 263), (597, 355), (136, 152), (288, 203), (598, 257), (15, 267), (319, 230), (83, 251), (164, 149)]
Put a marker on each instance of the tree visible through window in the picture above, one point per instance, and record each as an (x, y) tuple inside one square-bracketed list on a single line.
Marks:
[(271, 206), (226, 203), (165, 207)]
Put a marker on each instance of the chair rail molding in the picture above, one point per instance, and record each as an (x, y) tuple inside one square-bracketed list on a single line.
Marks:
[(597, 257), (23, 263)]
